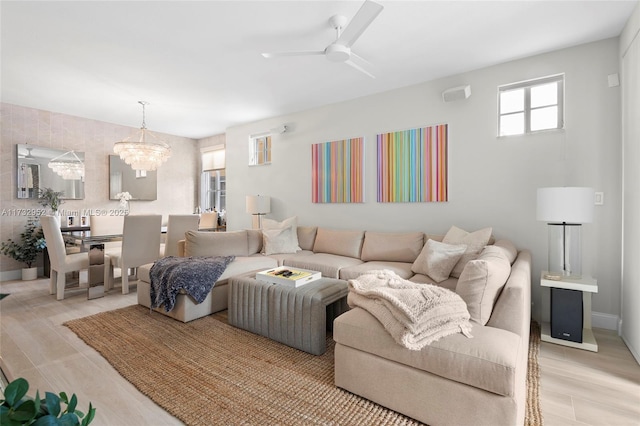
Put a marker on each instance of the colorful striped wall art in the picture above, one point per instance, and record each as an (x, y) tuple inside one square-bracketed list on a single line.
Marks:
[(338, 171), (412, 165)]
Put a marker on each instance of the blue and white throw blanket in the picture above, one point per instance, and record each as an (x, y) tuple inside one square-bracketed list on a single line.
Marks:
[(195, 275)]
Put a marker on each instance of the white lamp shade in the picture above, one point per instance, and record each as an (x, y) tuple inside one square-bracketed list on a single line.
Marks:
[(258, 204), (565, 204)]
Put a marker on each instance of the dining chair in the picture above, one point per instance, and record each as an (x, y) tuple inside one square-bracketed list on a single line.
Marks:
[(208, 220), (60, 261), (140, 245), (177, 225), (106, 225)]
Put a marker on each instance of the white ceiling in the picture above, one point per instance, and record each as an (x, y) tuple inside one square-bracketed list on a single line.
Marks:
[(198, 63)]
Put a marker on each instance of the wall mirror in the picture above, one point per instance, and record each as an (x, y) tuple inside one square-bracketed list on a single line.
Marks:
[(37, 169), (141, 185)]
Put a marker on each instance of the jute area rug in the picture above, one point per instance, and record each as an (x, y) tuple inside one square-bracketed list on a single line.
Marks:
[(207, 372)]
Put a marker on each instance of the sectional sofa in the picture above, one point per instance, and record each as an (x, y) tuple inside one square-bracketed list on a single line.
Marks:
[(456, 380)]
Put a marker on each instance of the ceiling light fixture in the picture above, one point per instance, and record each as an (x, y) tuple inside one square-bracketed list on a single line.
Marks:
[(143, 154), (71, 169)]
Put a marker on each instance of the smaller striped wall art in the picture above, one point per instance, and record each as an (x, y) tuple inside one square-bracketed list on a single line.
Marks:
[(338, 171)]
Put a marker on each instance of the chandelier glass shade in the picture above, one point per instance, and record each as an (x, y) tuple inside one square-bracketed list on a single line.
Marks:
[(69, 169), (145, 152)]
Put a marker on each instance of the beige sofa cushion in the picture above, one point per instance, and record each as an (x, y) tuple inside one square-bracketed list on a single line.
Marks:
[(254, 238), (475, 242), (392, 246), (307, 236), (487, 361), (438, 259), (328, 264), (342, 243), (280, 257), (200, 243), (482, 280), (510, 251), (402, 269), (450, 283)]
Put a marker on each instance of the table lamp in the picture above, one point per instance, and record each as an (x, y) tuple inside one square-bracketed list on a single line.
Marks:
[(258, 206), (565, 209)]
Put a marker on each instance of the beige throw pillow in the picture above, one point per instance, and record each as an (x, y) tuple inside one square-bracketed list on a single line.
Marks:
[(481, 282), (438, 259), (291, 245), (475, 242)]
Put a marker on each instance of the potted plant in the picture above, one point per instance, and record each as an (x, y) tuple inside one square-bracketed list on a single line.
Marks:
[(18, 409), (26, 250), (50, 198)]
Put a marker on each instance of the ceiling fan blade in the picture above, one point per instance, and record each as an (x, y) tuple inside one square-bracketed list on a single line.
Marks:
[(307, 53), (363, 18), (357, 66)]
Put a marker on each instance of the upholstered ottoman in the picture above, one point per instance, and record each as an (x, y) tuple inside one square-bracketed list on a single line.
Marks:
[(298, 317)]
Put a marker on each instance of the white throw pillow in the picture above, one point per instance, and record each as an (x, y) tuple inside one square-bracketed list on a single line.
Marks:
[(438, 259), (292, 222), (475, 242), (275, 241), (481, 282)]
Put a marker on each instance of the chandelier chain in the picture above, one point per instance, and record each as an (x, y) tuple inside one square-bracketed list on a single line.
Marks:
[(143, 103)]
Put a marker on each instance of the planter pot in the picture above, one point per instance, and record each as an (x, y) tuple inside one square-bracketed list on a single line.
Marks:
[(29, 274)]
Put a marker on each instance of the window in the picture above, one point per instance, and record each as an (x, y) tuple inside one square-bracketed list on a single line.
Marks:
[(260, 149), (531, 106), (213, 181), (213, 190)]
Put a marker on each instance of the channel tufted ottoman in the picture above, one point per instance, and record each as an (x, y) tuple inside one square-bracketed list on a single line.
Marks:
[(298, 317)]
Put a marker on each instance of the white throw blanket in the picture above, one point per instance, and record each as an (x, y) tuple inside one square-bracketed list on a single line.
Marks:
[(414, 314)]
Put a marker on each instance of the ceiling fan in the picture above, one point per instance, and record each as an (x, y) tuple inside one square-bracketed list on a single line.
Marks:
[(346, 35)]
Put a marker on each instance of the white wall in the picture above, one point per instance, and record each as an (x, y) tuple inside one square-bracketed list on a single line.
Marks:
[(630, 75), (492, 181)]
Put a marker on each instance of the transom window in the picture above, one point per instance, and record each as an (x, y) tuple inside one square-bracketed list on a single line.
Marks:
[(531, 106), (260, 149)]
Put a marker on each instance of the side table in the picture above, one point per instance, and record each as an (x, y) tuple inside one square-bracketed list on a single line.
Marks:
[(587, 285)]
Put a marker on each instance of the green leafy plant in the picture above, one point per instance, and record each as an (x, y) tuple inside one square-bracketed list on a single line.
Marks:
[(51, 198), (31, 243), (18, 409)]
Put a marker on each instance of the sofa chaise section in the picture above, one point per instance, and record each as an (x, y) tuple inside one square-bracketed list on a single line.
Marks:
[(241, 244), (454, 381)]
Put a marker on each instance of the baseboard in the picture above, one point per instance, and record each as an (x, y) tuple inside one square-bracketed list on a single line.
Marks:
[(606, 321), (634, 353), (17, 274)]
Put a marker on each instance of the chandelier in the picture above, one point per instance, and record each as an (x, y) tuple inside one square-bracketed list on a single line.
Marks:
[(143, 154), (69, 169)]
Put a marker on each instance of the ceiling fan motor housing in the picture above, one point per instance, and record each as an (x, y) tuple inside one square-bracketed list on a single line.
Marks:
[(337, 53)]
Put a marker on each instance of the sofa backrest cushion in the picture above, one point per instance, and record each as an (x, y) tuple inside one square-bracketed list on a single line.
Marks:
[(475, 242), (482, 280), (438, 259), (340, 242), (510, 251), (307, 237), (254, 239), (200, 243), (392, 246)]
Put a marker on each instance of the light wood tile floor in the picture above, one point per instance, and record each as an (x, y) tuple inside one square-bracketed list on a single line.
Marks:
[(577, 387)]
